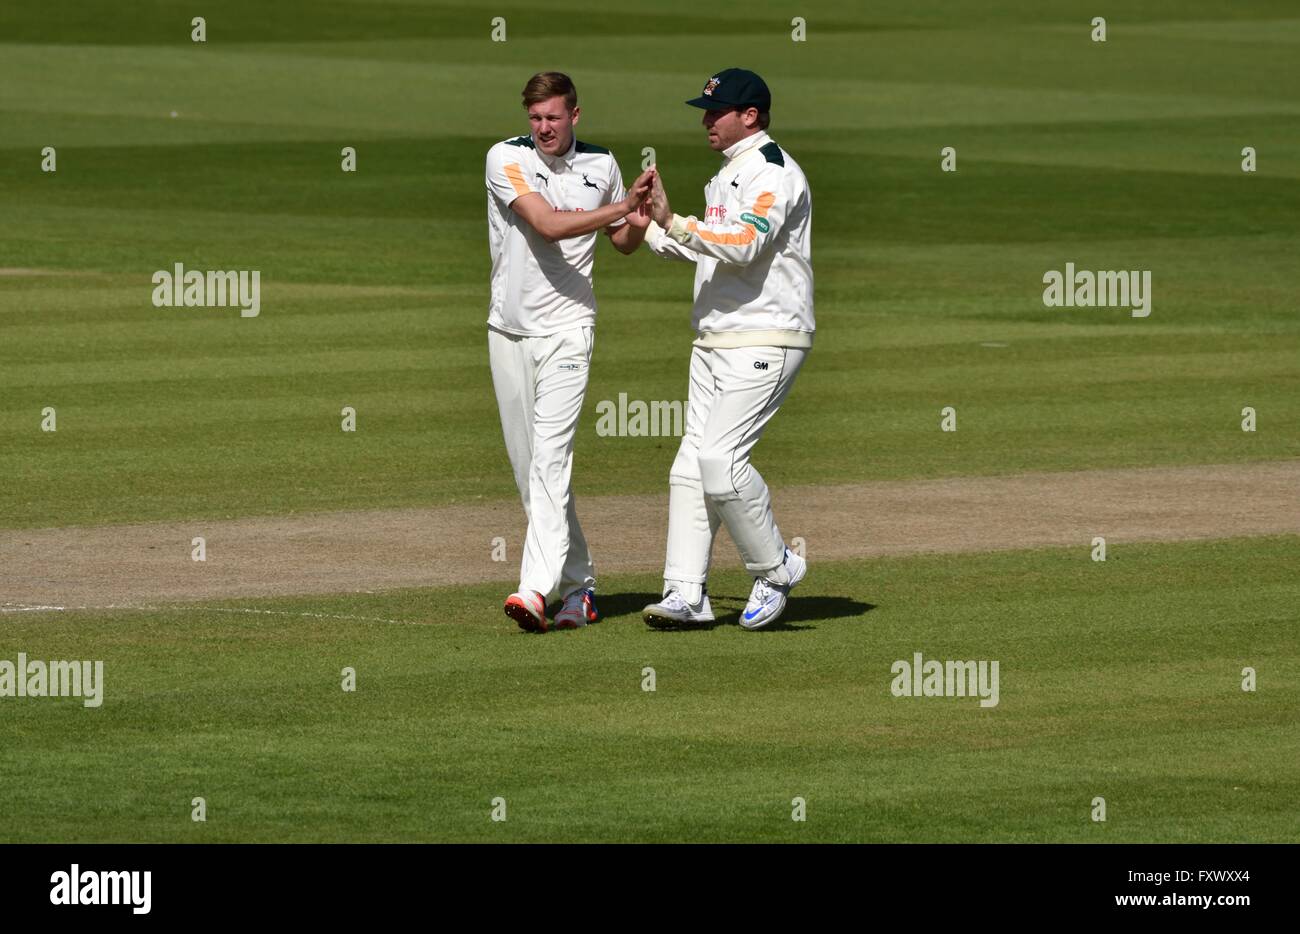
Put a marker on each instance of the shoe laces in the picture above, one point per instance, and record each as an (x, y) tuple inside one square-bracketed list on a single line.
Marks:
[(674, 600), (763, 590)]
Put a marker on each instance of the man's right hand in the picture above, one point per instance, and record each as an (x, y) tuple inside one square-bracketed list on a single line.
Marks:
[(640, 218), (640, 190)]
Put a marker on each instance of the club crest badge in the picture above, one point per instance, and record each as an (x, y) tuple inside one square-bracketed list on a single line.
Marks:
[(708, 88)]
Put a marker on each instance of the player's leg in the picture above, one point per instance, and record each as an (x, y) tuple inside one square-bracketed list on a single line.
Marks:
[(561, 362), (579, 571), (578, 576), (692, 521), (511, 361), (752, 382), (512, 379), (577, 579)]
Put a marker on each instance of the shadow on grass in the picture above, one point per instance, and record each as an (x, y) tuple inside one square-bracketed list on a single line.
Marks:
[(798, 610), (619, 604), (801, 610)]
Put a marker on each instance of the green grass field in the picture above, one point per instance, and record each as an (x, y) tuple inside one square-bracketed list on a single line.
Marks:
[(1119, 679)]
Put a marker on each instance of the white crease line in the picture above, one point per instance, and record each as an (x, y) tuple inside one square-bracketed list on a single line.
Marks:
[(232, 609), (23, 608)]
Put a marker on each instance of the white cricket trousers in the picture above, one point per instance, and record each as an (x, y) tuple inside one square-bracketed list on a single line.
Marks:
[(540, 383), (734, 392)]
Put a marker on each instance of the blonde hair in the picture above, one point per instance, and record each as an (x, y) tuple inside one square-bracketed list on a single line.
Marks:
[(547, 84)]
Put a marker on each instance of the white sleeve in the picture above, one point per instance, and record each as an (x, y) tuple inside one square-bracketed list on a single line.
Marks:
[(739, 241), (663, 245), (614, 190), (505, 174)]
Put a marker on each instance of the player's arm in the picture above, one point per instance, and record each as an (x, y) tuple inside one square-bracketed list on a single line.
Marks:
[(556, 225), (736, 241), (625, 235), (660, 244)]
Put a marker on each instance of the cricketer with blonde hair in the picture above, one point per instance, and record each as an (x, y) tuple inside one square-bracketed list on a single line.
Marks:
[(548, 193)]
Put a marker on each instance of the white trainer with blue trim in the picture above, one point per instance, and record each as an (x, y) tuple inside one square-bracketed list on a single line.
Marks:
[(673, 611), (767, 599)]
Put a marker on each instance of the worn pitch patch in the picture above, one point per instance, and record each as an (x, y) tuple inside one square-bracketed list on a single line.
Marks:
[(366, 551)]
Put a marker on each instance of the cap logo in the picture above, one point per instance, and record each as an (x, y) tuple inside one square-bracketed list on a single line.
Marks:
[(708, 88)]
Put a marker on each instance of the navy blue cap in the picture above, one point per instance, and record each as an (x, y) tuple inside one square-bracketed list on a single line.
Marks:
[(734, 87)]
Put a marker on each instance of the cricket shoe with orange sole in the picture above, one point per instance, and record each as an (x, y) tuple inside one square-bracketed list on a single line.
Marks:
[(528, 609), (579, 609)]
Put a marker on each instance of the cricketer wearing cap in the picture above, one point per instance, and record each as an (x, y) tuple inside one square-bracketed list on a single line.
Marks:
[(753, 318), (548, 194)]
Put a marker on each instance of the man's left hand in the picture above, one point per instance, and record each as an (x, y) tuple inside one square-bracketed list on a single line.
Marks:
[(659, 209)]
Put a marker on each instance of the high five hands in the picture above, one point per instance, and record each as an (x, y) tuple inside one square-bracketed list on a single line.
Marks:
[(659, 209), (639, 193), (647, 200)]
